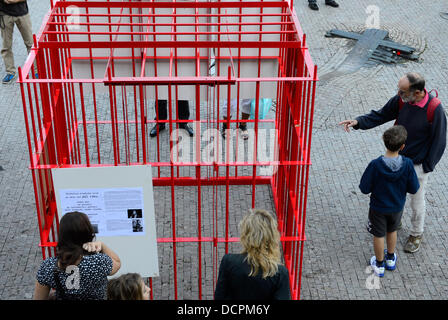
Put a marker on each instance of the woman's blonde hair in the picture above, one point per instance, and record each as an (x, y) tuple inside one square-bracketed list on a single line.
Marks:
[(261, 242), (126, 287)]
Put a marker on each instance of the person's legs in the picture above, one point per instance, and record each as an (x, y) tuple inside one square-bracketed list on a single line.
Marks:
[(378, 248), (25, 28), (184, 114), (393, 221), (418, 206), (391, 240), (7, 36), (161, 114), (377, 261), (377, 227), (390, 255), (184, 109), (245, 114), (233, 107)]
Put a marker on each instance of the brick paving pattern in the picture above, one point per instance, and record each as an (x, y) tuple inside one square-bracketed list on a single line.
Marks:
[(338, 246)]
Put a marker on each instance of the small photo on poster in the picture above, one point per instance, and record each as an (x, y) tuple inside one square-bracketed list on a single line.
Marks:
[(137, 225), (95, 228), (135, 213)]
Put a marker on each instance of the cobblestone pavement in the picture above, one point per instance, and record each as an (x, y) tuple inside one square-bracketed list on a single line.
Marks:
[(338, 247)]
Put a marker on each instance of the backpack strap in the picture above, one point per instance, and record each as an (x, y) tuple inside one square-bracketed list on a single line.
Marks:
[(431, 107), (433, 104), (400, 104)]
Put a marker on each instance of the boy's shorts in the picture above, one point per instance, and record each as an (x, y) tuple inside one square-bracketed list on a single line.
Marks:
[(379, 223)]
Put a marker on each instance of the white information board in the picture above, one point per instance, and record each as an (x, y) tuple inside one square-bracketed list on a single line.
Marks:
[(119, 202)]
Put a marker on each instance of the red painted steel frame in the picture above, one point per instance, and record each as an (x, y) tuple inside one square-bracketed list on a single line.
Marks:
[(59, 114)]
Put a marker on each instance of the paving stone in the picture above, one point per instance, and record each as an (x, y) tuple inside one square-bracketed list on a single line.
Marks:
[(338, 247)]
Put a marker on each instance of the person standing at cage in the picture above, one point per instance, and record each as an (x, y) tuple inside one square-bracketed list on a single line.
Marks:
[(245, 114), (424, 118), (257, 272), (80, 269), (245, 107), (14, 12), (129, 286), (162, 110)]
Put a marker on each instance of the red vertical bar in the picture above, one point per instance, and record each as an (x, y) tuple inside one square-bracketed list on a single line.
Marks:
[(198, 157), (112, 113), (143, 121), (307, 171), (151, 294), (140, 29), (227, 161), (238, 84), (92, 74), (84, 122), (254, 173), (173, 201), (30, 154)]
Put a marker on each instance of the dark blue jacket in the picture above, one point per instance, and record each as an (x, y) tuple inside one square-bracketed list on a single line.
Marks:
[(388, 188), (426, 141)]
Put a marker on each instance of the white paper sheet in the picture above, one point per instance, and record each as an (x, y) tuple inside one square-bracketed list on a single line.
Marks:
[(112, 212)]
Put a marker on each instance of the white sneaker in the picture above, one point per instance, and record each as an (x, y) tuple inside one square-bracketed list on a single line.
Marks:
[(390, 264), (379, 271)]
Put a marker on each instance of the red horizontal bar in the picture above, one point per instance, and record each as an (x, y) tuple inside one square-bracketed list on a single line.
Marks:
[(177, 121), (196, 239), (144, 4), (157, 33), (176, 24), (181, 164), (192, 240), (147, 57), (172, 15), (222, 240), (168, 44), (169, 81)]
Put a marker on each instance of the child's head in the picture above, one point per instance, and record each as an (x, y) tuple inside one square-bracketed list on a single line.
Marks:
[(394, 138), (128, 286)]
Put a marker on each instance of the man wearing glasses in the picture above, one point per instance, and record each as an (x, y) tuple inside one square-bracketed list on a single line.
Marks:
[(424, 118)]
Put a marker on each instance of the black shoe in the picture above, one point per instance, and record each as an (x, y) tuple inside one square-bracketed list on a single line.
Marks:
[(187, 128), (332, 3), (224, 130), (153, 132), (313, 6)]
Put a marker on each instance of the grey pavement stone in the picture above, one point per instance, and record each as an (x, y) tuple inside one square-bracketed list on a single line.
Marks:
[(338, 248)]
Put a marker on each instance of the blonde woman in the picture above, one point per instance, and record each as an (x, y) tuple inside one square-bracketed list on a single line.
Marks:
[(257, 272)]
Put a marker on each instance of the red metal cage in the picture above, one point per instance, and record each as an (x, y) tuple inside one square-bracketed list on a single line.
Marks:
[(89, 87)]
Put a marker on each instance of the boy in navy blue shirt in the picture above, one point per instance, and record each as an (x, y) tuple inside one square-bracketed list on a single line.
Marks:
[(388, 178)]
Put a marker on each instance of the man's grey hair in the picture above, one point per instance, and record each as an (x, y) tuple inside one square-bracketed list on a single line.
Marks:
[(416, 81)]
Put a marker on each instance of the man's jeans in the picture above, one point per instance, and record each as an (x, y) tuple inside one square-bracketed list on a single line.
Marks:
[(418, 204), (24, 25)]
